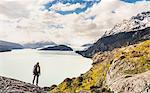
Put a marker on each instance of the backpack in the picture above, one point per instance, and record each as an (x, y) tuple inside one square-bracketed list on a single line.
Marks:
[(36, 70)]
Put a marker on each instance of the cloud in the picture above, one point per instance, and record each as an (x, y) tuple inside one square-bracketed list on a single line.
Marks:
[(13, 9), (65, 7), (29, 23)]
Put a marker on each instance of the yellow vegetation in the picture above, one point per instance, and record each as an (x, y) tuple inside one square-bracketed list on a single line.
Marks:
[(137, 55)]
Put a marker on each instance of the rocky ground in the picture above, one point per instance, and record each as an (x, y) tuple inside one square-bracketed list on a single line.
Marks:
[(8, 85)]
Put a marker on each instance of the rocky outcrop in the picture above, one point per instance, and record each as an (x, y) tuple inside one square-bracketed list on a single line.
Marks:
[(58, 48), (8, 85), (8, 46), (129, 72), (111, 42), (139, 83), (122, 70)]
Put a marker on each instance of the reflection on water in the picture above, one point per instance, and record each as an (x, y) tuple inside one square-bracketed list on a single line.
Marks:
[(55, 65)]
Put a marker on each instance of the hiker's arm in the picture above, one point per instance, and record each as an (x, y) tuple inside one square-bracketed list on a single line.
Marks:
[(39, 70), (33, 69)]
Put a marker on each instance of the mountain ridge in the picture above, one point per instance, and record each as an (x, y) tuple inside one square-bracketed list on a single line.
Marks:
[(138, 22), (8, 46), (58, 48), (136, 27), (111, 42)]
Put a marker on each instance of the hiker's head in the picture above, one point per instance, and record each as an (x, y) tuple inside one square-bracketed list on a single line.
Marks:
[(37, 63)]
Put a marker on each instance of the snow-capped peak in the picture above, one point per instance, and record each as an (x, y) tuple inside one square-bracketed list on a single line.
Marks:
[(140, 21)]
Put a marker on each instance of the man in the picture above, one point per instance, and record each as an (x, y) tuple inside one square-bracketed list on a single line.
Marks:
[(36, 73)]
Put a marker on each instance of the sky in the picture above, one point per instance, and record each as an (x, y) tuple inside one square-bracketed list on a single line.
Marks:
[(74, 22)]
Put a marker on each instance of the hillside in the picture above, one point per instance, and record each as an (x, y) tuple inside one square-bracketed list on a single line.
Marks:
[(111, 42), (8, 46), (58, 48), (128, 32), (123, 70)]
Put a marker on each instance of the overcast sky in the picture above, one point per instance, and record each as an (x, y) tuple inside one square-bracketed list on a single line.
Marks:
[(73, 22)]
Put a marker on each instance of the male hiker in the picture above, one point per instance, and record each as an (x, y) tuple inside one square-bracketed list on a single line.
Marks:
[(36, 73)]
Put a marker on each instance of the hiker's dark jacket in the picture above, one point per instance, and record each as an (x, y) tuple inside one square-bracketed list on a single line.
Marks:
[(36, 70)]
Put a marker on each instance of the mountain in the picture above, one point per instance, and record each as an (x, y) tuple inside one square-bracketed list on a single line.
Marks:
[(35, 45), (58, 48), (111, 42), (123, 70), (138, 22), (87, 45), (8, 46), (131, 32)]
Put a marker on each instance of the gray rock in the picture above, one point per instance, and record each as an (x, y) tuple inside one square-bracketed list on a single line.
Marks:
[(120, 82), (139, 83), (8, 85)]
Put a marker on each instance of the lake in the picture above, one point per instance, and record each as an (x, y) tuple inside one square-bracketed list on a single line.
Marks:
[(55, 65)]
